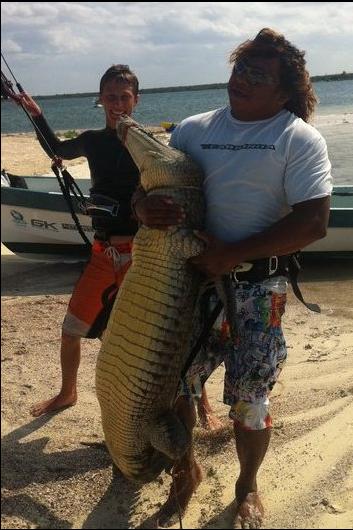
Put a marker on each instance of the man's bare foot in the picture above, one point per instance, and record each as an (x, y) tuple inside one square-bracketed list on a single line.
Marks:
[(250, 512), (58, 402), (185, 482)]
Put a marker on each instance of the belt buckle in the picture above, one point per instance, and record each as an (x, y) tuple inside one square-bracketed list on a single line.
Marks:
[(272, 268), (242, 267)]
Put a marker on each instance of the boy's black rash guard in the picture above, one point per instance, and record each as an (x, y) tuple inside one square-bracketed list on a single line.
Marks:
[(113, 172)]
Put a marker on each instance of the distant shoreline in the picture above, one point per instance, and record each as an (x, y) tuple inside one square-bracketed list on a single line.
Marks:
[(344, 76)]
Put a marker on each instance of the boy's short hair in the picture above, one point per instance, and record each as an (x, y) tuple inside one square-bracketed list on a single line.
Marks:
[(120, 73)]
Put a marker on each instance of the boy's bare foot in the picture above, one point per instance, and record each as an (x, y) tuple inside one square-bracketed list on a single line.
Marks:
[(250, 512), (186, 482), (208, 420), (58, 402), (206, 415)]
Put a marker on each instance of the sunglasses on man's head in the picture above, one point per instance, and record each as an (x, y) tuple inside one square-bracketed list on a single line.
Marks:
[(254, 76)]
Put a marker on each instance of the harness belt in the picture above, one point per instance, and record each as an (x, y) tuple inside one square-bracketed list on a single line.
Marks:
[(102, 206), (262, 269), (110, 216)]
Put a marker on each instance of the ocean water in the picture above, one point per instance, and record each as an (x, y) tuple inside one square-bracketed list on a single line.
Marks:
[(333, 118)]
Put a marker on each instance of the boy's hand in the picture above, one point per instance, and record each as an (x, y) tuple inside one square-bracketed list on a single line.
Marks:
[(29, 104), (159, 211)]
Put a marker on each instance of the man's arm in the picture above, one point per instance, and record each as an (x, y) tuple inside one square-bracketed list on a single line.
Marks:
[(305, 224)]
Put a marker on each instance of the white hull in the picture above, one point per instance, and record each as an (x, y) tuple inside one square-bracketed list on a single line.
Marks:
[(336, 240), (42, 226), (53, 231), (35, 222), (48, 229)]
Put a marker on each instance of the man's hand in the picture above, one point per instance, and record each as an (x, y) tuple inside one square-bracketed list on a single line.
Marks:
[(159, 211), (217, 259)]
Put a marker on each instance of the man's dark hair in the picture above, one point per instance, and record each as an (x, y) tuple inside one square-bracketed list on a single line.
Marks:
[(120, 73), (294, 78)]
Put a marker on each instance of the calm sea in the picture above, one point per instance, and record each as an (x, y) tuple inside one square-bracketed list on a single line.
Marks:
[(334, 116)]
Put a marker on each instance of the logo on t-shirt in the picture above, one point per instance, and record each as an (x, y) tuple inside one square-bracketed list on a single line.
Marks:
[(232, 147)]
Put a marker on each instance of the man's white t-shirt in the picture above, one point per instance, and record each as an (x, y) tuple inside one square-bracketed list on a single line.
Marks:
[(254, 171)]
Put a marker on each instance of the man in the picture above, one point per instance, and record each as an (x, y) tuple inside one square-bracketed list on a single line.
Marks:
[(267, 186), (114, 175)]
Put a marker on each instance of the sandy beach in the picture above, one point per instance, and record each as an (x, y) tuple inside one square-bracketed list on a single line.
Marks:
[(21, 154), (56, 472)]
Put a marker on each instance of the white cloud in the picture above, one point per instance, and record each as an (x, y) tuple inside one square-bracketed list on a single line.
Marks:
[(169, 43), (10, 46), (28, 14)]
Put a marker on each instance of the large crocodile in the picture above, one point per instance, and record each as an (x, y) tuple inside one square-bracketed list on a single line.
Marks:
[(146, 342)]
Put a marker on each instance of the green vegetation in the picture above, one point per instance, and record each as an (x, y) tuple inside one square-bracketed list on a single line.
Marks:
[(182, 88), (69, 134), (331, 77)]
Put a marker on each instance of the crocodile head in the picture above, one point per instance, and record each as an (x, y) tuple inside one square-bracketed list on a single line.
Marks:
[(140, 143), (159, 165)]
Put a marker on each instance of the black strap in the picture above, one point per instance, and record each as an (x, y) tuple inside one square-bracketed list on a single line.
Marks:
[(101, 321), (102, 206), (293, 271), (65, 182), (202, 337)]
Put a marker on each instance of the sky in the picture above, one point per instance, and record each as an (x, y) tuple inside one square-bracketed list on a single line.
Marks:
[(65, 47)]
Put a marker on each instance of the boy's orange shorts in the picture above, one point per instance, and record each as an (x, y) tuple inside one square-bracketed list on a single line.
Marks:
[(95, 292)]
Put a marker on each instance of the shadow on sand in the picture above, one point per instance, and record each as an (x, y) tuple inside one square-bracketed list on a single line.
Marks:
[(20, 277), (27, 463), (325, 269)]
